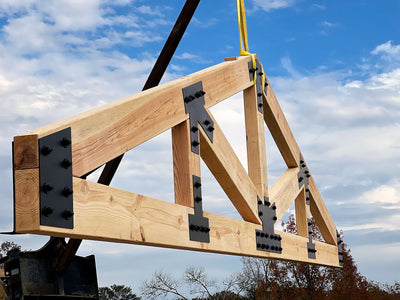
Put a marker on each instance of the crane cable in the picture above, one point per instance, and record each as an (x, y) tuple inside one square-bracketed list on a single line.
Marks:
[(243, 41)]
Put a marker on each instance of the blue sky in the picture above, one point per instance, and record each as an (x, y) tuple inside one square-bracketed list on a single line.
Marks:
[(334, 65)]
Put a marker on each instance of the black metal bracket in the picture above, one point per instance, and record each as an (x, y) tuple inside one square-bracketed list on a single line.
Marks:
[(266, 238), (55, 177), (340, 248), (193, 97), (303, 178), (199, 229), (310, 245), (259, 73)]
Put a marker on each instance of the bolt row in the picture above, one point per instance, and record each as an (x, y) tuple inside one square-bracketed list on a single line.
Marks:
[(48, 211), (199, 228), (267, 247), (198, 94), (266, 235), (46, 188)]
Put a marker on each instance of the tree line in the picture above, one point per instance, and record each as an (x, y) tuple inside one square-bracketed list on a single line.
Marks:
[(263, 279)]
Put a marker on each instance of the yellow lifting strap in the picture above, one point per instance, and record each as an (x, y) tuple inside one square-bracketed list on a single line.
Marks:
[(244, 50)]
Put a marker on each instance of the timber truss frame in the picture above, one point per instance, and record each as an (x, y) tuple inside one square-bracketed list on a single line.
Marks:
[(52, 197)]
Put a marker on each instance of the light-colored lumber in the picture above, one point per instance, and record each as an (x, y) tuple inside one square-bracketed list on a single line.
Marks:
[(229, 172), (26, 195), (301, 214), (255, 139), (280, 130), (321, 214), (284, 191), (108, 214), (186, 164), (106, 132), (26, 153)]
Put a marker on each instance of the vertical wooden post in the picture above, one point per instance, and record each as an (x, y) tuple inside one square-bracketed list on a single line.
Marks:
[(186, 164), (256, 154), (302, 213)]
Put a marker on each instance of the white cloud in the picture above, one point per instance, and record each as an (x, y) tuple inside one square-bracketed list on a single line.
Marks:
[(328, 24), (387, 50), (269, 5), (390, 223), (153, 11), (384, 194), (187, 55)]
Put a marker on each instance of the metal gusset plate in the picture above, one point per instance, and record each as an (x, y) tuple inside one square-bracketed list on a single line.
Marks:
[(340, 248), (193, 96), (199, 229), (55, 175), (266, 238), (310, 244), (259, 74), (303, 178)]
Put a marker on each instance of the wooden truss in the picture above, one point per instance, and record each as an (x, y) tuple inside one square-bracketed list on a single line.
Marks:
[(88, 210)]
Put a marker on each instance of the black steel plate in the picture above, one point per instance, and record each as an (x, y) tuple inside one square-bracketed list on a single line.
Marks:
[(55, 173)]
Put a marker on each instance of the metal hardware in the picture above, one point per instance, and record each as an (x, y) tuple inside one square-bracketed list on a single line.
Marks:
[(266, 239), (259, 86), (198, 225), (193, 97), (340, 248), (303, 178), (310, 244), (55, 176)]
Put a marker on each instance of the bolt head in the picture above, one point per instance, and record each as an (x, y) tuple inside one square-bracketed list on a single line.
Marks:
[(67, 192), (67, 214), (47, 211), (46, 150), (65, 142), (66, 163)]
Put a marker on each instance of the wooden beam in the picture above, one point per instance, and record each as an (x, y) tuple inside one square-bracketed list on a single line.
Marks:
[(229, 172), (301, 214), (321, 214), (109, 214), (255, 139), (106, 132), (284, 191), (186, 164), (280, 130), (26, 194), (26, 152)]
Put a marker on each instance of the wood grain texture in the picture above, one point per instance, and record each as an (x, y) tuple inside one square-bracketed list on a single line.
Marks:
[(26, 152), (280, 130), (186, 164), (284, 191), (255, 140), (321, 214), (26, 193), (230, 174), (301, 214), (106, 132), (108, 214)]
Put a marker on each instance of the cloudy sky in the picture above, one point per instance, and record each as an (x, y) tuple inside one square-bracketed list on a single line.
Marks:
[(334, 65)]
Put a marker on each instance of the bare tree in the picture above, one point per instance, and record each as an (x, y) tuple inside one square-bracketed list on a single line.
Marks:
[(196, 281), (161, 285)]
